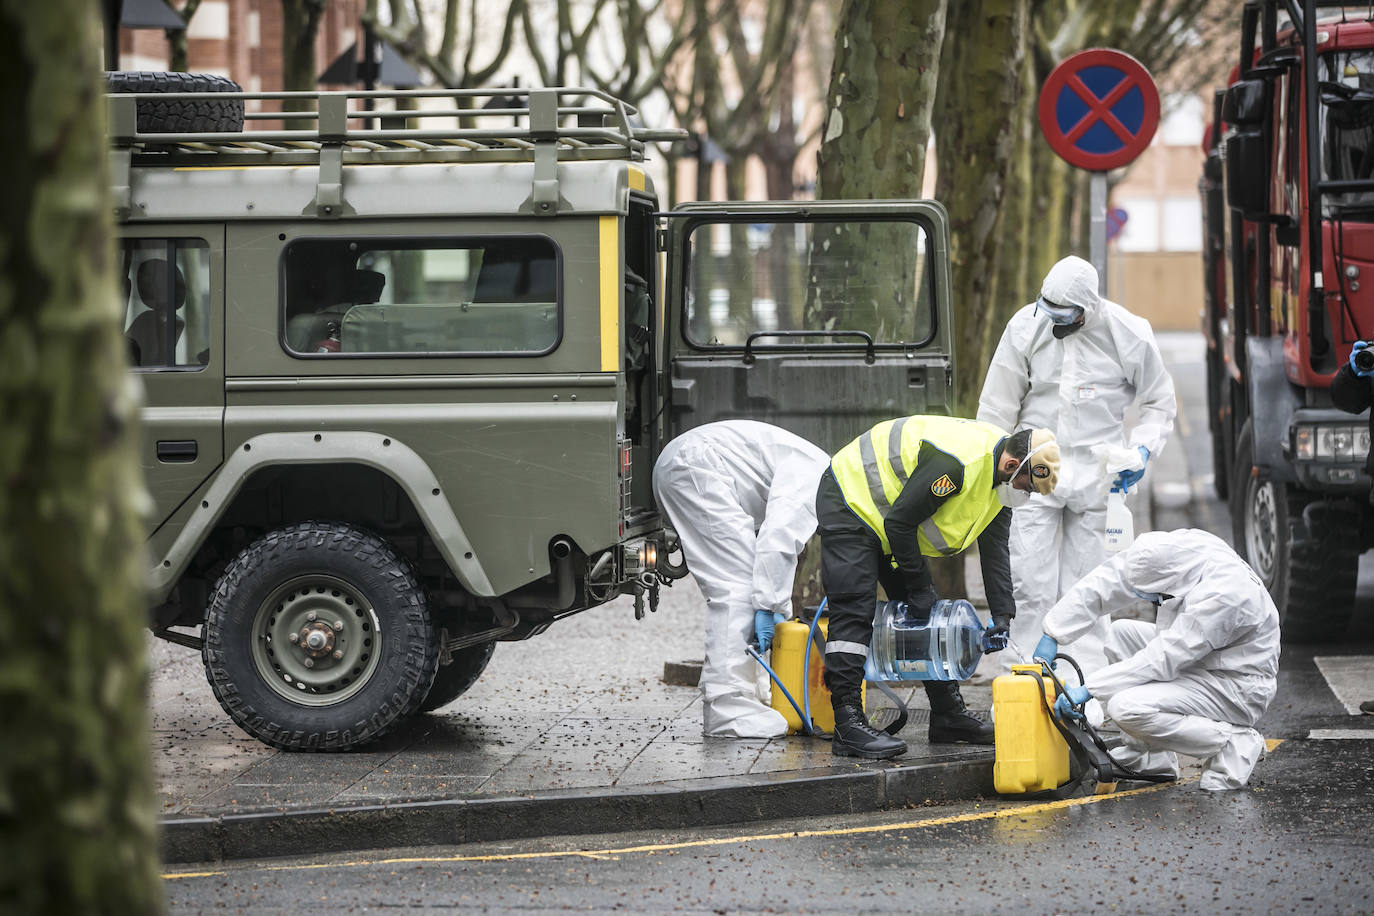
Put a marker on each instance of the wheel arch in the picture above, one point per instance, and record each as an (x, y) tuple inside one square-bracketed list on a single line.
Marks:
[(340, 458)]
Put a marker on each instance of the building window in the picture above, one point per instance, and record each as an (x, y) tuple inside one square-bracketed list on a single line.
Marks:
[(1183, 216), (167, 302), (1141, 231), (382, 296)]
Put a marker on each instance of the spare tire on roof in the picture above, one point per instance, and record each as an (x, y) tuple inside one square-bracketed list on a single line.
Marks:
[(187, 116)]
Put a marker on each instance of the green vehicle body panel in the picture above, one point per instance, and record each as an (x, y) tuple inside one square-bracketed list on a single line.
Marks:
[(496, 455)]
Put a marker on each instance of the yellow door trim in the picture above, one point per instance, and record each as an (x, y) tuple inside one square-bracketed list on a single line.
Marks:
[(609, 252)]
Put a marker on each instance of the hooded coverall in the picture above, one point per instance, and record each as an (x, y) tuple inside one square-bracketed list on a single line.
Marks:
[(741, 495), (1198, 679), (1080, 387)]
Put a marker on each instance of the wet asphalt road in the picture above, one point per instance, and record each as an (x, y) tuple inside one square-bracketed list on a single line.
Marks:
[(1297, 842)]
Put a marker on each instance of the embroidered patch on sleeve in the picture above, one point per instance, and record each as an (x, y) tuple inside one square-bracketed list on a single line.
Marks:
[(944, 486)]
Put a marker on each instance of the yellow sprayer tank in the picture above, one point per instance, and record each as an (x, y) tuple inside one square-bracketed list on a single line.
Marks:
[(789, 643), (1030, 755)]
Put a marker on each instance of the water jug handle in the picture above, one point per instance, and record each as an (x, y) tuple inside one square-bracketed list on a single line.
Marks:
[(994, 643)]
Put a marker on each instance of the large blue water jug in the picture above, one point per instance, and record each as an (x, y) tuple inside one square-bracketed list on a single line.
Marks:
[(946, 646)]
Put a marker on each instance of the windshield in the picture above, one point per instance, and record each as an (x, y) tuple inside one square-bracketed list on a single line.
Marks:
[(1346, 87)]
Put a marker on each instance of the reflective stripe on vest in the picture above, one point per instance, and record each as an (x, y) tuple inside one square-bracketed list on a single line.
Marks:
[(872, 470)]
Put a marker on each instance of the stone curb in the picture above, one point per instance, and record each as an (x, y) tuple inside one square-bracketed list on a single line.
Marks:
[(686, 804)]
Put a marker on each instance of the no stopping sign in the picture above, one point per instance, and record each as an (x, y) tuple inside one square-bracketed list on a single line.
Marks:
[(1099, 109)]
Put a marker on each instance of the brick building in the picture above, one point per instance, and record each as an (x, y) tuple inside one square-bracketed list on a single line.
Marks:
[(241, 39)]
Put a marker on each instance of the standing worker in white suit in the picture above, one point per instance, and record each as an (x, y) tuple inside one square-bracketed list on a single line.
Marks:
[(1073, 362), (1199, 678), (742, 497)]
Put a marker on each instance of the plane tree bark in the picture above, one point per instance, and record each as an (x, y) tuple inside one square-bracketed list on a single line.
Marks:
[(77, 808), (983, 51), (878, 114)]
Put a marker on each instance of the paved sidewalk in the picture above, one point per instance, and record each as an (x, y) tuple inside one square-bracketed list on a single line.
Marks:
[(571, 732), (551, 740)]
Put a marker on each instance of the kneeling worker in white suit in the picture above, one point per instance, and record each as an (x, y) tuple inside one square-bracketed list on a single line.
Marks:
[(742, 497), (1197, 680)]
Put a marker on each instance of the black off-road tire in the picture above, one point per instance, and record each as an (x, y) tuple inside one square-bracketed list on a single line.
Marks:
[(345, 588), (181, 115), (454, 679), (1310, 570)]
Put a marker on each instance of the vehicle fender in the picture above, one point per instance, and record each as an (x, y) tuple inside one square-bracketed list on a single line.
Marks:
[(1272, 401), (384, 453)]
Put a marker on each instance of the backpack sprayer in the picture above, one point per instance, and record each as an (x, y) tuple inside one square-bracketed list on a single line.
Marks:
[(1041, 755), (946, 645)]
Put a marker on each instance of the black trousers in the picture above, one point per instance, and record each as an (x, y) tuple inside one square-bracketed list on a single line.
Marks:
[(853, 565)]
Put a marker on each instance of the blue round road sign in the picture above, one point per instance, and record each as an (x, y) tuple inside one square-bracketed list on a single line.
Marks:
[(1099, 109)]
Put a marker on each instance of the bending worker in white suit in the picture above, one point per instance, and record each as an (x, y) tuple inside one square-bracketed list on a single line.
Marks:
[(742, 497), (1073, 362), (1197, 680)]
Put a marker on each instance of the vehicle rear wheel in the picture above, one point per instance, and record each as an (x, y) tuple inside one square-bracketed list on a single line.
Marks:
[(1305, 552), (180, 115), (318, 638), (454, 679)]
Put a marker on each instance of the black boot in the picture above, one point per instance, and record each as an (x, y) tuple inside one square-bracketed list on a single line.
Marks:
[(950, 720), (854, 737)]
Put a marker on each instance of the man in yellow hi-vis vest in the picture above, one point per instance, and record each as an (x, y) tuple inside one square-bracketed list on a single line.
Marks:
[(907, 489)]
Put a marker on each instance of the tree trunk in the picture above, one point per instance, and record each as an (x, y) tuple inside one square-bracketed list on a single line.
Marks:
[(1020, 223), (981, 60), (77, 809), (1050, 198), (882, 88), (300, 23)]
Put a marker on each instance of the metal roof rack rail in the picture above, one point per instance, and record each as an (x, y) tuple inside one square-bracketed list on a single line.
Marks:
[(337, 129)]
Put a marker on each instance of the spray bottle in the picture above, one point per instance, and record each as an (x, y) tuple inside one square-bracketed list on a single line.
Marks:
[(1119, 531)]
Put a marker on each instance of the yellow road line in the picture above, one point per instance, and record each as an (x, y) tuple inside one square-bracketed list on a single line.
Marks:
[(1017, 811)]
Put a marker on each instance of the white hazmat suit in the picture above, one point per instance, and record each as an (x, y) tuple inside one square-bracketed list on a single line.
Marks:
[(1079, 386), (742, 497), (1197, 680)]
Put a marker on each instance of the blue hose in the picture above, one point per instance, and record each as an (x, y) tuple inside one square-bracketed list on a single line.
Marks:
[(806, 665)]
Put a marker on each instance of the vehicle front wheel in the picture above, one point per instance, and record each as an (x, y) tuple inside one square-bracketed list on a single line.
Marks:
[(318, 638), (1305, 551)]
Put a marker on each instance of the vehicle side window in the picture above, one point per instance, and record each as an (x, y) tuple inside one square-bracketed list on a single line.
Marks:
[(166, 291), (829, 277), (375, 296)]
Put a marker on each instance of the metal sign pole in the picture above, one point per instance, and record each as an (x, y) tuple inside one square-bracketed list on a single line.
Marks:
[(1097, 242)]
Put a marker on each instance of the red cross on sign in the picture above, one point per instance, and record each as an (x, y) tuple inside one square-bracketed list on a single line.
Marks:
[(1099, 109)]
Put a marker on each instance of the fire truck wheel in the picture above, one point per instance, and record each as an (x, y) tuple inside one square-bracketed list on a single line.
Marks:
[(1305, 551), (454, 679), (318, 638), (177, 115)]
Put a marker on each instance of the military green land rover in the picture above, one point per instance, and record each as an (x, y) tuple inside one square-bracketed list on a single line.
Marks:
[(406, 373)]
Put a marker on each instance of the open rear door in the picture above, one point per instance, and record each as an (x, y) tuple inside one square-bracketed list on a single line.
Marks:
[(822, 317)]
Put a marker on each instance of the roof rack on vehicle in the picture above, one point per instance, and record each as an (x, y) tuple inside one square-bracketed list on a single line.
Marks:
[(337, 129)]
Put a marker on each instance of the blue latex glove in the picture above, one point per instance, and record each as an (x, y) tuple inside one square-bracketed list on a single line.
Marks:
[(1071, 697), (763, 630), (1127, 479), (1360, 345), (1047, 648)]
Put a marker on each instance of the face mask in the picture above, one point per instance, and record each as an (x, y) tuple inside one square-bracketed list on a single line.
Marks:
[(1155, 598), (1011, 497)]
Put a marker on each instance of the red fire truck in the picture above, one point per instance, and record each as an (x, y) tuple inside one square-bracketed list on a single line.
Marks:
[(1288, 218)]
